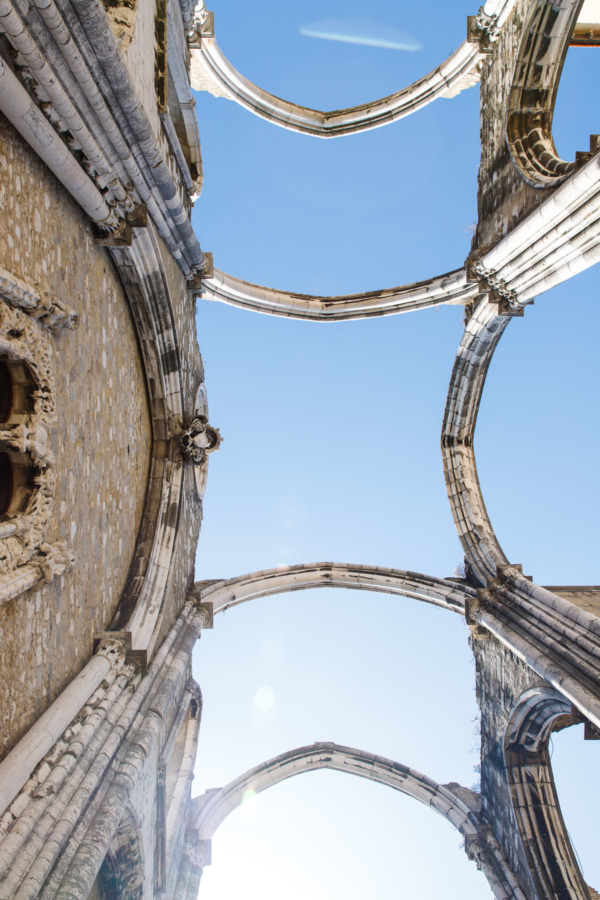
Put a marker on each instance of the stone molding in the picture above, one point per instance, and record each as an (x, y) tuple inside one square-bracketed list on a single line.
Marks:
[(142, 602), (80, 779), (49, 311), (105, 153)]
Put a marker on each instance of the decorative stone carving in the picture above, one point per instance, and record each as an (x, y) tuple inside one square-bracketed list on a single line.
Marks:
[(202, 25), (122, 15), (21, 535), (492, 284), (483, 29), (50, 311), (50, 97), (199, 439), (54, 560)]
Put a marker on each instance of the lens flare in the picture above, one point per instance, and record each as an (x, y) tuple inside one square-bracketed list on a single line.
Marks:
[(361, 31), (264, 699), (249, 803)]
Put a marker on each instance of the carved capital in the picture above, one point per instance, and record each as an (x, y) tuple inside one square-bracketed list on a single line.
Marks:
[(507, 572), (194, 281), (494, 286), (116, 233), (474, 606), (117, 645), (203, 26)]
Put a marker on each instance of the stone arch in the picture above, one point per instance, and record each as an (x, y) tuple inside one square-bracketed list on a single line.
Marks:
[(456, 804), (520, 613), (550, 856), (451, 287), (538, 69), (122, 872), (171, 397), (223, 595), (211, 71)]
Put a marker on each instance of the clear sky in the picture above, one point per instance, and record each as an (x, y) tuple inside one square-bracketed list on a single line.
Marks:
[(331, 452)]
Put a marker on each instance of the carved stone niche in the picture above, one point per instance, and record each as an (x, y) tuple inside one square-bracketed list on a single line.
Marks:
[(27, 414), (122, 15)]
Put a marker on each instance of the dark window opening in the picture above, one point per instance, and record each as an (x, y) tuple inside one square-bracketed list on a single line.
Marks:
[(6, 483), (6, 392)]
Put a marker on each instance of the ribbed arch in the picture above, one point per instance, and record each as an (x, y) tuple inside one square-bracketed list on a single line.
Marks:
[(456, 804), (552, 862), (538, 69), (211, 71), (444, 289), (442, 592)]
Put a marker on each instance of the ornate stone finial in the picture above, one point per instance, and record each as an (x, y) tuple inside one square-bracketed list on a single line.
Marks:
[(483, 29), (199, 439)]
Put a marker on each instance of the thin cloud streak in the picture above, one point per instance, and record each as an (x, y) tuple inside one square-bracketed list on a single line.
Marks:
[(361, 31)]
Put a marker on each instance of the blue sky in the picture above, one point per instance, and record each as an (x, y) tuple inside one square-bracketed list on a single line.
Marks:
[(331, 451)]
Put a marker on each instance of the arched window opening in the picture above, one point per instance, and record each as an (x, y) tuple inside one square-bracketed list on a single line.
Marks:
[(16, 391), (21, 483), (575, 768), (16, 409), (576, 115)]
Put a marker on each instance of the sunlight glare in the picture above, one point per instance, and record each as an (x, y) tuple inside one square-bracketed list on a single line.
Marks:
[(249, 804), (264, 699)]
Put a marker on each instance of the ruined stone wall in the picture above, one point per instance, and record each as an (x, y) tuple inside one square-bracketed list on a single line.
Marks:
[(504, 198), (501, 678), (101, 440)]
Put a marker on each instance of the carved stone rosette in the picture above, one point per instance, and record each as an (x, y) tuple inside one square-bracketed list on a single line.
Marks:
[(199, 439), (23, 342)]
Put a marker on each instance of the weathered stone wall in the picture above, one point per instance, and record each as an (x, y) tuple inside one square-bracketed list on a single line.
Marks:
[(504, 198), (101, 440), (587, 598), (501, 678)]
